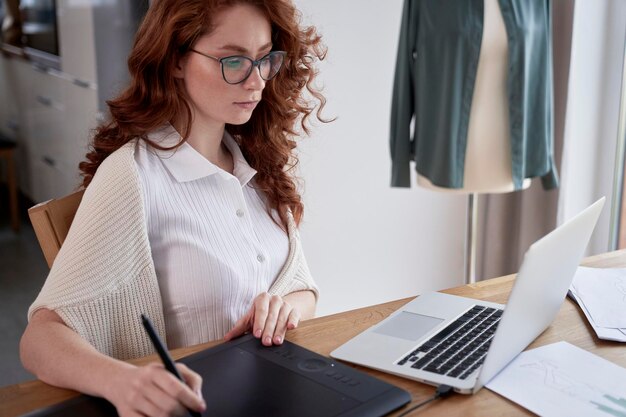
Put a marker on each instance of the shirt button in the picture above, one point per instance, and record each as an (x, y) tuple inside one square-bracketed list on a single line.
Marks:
[(260, 258), (239, 213)]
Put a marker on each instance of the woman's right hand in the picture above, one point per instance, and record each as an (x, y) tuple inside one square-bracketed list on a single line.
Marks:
[(59, 356), (153, 391)]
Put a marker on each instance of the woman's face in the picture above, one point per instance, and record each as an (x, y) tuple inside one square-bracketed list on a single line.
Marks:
[(239, 30)]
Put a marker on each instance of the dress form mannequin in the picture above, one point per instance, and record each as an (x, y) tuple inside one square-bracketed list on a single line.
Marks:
[(487, 166), (488, 154)]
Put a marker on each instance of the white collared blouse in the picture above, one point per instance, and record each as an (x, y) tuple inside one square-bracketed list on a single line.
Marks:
[(214, 245)]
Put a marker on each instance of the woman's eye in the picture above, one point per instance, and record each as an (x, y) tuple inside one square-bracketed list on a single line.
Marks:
[(234, 63)]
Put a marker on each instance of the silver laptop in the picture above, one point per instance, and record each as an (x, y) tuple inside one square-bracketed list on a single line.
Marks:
[(462, 342)]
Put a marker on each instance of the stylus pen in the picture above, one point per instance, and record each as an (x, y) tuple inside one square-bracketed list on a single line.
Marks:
[(163, 353)]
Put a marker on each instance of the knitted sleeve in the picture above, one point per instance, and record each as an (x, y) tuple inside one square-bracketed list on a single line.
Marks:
[(295, 276), (103, 277)]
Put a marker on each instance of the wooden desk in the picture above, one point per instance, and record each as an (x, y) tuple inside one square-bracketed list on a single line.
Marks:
[(324, 334)]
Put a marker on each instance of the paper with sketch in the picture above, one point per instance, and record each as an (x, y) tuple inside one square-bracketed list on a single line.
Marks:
[(606, 333), (563, 380), (603, 290)]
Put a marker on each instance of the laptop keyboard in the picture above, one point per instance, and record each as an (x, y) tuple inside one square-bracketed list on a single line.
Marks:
[(460, 348)]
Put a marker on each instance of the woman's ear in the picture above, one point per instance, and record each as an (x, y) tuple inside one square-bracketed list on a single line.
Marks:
[(179, 69)]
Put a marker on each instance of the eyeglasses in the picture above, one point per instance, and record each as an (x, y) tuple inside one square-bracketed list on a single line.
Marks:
[(237, 68)]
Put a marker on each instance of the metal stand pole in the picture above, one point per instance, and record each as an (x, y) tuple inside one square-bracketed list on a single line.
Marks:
[(470, 238)]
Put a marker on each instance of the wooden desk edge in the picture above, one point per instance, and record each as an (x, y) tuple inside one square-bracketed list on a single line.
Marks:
[(27, 396)]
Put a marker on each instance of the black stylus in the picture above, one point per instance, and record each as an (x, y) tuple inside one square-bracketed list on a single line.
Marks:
[(163, 353)]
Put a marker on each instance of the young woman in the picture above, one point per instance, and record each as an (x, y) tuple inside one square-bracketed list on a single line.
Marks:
[(190, 212)]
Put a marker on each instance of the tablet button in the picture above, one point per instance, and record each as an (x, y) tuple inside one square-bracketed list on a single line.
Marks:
[(313, 365)]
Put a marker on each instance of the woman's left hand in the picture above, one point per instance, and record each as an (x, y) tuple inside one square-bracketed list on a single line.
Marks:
[(269, 318)]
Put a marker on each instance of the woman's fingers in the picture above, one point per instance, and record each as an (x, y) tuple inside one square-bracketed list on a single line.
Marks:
[(281, 324), (293, 320), (172, 387), (192, 379), (145, 402), (242, 326), (152, 391), (159, 400), (261, 305), (271, 320)]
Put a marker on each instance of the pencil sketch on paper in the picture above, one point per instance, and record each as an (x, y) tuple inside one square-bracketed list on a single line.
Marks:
[(561, 379), (556, 379)]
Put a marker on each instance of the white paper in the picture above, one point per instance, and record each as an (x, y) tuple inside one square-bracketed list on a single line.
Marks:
[(563, 380), (603, 290), (618, 335)]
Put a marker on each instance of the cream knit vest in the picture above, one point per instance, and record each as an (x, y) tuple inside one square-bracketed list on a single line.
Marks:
[(103, 278)]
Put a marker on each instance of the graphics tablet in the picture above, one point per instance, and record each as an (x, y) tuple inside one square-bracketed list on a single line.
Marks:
[(244, 378)]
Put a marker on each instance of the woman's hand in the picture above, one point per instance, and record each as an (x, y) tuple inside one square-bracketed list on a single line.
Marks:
[(153, 391), (269, 318), (59, 356)]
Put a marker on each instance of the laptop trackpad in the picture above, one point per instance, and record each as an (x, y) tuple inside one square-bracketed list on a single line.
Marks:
[(408, 326)]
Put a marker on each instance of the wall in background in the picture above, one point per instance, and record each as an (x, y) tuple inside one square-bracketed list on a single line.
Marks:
[(592, 111), (366, 242)]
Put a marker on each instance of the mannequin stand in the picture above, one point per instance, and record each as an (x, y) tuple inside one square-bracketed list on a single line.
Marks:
[(470, 238)]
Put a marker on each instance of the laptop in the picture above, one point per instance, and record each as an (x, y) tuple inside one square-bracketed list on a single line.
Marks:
[(244, 378), (462, 342)]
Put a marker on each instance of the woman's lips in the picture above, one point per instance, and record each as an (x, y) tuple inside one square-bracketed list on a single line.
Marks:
[(247, 105)]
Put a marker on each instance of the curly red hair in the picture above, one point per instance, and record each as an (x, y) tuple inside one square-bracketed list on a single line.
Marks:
[(154, 97)]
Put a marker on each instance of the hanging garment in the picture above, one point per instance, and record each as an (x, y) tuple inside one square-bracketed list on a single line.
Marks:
[(436, 68)]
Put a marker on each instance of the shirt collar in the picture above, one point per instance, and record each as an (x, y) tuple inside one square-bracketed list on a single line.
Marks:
[(186, 164)]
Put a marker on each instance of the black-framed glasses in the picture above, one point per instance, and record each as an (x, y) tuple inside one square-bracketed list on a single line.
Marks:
[(237, 68)]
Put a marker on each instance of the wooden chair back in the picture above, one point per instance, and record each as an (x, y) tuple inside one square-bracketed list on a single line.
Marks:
[(52, 220)]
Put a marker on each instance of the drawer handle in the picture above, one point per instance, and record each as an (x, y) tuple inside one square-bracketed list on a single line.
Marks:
[(44, 100), (81, 83), (49, 161), (39, 67)]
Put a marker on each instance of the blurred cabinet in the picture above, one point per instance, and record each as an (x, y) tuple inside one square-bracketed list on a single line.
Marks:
[(18, 76), (78, 55), (51, 112), (9, 113), (56, 115)]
